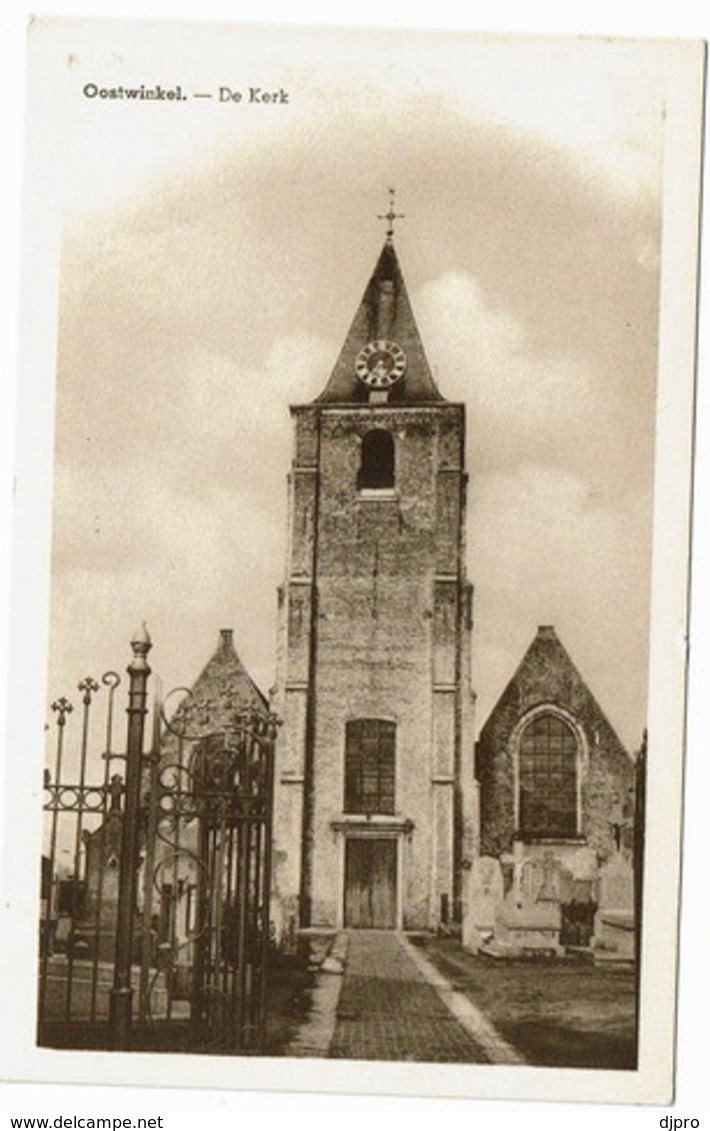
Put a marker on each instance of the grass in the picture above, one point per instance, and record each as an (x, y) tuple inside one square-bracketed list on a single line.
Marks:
[(565, 1013)]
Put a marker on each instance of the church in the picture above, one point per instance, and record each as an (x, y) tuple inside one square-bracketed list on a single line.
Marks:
[(557, 815), (387, 813)]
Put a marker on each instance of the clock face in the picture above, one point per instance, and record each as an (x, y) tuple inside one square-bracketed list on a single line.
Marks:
[(379, 364)]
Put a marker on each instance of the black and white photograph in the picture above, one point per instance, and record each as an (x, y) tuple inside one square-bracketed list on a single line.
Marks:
[(359, 374)]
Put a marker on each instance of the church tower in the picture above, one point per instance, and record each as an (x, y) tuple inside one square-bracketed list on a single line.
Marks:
[(375, 809)]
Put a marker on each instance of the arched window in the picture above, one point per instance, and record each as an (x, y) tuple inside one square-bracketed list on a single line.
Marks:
[(548, 759), (369, 766), (376, 460)]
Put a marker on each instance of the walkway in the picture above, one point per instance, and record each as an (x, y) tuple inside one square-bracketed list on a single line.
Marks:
[(378, 997), (388, 1010)]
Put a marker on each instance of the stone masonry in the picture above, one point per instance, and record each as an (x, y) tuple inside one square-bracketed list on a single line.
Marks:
[(375, 624), (547, 680)]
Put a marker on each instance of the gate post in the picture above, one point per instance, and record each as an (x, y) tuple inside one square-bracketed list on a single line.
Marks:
[(122, 992)]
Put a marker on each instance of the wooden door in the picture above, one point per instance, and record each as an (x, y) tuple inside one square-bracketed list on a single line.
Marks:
[(371, 882)]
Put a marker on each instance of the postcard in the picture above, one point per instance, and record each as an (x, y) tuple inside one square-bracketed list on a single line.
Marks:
[(353, 486)]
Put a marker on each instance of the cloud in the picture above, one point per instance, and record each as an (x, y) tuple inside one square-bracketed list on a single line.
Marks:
[(195, 312), (529, 403), (544, 551), (489, 353), (188, 564)]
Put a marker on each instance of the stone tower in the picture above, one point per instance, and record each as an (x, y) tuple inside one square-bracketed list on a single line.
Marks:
[(375, 810)]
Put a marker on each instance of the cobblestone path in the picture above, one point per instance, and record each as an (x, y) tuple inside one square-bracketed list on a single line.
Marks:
[(388, 1011)]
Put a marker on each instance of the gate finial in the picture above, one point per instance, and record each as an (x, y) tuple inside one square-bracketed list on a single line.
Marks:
[(141, 637), (141, 645)]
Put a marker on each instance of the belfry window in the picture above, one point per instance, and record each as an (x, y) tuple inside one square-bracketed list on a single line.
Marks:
[(376, 460), (548, 767), (369, 766)]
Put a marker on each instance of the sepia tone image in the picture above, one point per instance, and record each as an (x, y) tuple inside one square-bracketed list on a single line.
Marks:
[(355, 439)]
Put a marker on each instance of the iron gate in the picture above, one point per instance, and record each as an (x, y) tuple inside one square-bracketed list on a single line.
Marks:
[(155, 881)]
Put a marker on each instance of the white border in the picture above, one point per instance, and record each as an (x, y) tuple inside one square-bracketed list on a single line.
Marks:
[(606, 18)]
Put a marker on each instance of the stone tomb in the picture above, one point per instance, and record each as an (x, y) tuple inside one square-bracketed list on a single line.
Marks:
[(529, 919)]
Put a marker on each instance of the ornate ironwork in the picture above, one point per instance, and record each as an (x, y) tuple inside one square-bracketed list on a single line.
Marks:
[(210, 804), (157, 931), (76, 934)]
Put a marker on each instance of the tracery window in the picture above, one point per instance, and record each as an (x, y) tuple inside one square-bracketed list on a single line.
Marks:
[(376, 460), (548, 769), (369, 766)]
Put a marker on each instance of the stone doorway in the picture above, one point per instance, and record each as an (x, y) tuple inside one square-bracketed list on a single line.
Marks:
[(371, 883)]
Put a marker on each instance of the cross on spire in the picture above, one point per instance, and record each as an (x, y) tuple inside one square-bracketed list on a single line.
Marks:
[(391, 216)]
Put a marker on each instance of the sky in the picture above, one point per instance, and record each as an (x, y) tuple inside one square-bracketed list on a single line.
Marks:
[(213, 255)]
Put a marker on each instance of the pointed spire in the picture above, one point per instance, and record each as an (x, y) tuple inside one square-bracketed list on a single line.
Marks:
[(383, 358)]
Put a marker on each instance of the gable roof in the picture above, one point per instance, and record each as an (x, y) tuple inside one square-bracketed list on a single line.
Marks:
[(224, 671), (222, 688), (547, 674)]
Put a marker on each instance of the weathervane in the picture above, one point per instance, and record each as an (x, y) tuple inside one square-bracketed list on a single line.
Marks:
[(390, 217)]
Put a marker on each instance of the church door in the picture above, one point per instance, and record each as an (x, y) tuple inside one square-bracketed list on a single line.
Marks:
[(371, 882)]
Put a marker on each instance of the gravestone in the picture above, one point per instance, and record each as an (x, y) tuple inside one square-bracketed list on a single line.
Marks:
[(94, 933), (485, 894), (614, 933), (616, 884), (542, 878)]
